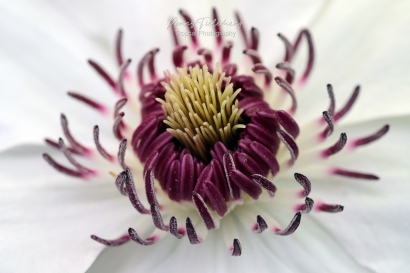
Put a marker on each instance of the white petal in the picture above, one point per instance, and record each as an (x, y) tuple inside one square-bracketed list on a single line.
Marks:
[(360, 42), (47, 218)]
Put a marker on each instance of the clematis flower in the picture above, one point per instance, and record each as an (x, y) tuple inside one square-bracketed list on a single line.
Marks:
[(157, 169)]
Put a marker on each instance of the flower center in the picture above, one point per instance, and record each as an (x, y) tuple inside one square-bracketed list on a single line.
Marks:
[(200, 111)]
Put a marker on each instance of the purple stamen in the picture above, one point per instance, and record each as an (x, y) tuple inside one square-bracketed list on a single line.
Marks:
[(290, 72), (177, 55), (174, 34), (132, 193), (254, 55), (174, 181), (307, 207), (116, 128), (74, 144), (61, 168), (330, 127), (118, 47), (117, 242), (261, 224), (229, 166), (265, 156), (157, 218), (246, 184), (237, 248), (243, 29), (203, 211), (260, 69), (190, 24), (121, 153), (217, 27), (190, 230), (173, 227), (305, 183), (187, 176), (230, 69), (348, 105), (120, 82), (293, 225), (88, 101), (100, 149), (371, 138), (330, 208), (207, 55), (311, 52), (290, 143), (338, 146), (288, 47), (226, 52), (264, 183), (54, 144), (288, 88), (351, 174), (120, 103), (134, 236), (332, 105), (215, 198), (254, 38), (149, 185), (120, 183), (103, 74), (151, 66), (71, 159), (288, 123)]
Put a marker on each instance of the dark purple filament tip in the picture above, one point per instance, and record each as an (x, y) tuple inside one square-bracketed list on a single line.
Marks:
[(337, 147), (352, 174), (103, 74), (237, 248), (330, 127), (203, 211), (100, 149), (254, 55), (289, 70), (261, 224), (157, 218), (117, 242), (288, 88), (371, 138), (305, 183), (293, 225), (265, 183), (132, 193), (330, 208), (348, 105), (190, 230), (136, 238), (118, 47), (88, 101), (173, 227)]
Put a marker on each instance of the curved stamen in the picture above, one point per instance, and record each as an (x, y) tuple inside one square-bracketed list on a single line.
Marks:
[(288, 88), (117, 242), (174, 32), (330, 208), (260, 69), (120, 82), (260, 224), (151, 66), (120, 103), (120, 183), (237, 248), (116, 128), (266, 156), (134, 236), (71, 159), (215, 198), (74, 144), (203, 211), (149, 185), (191, 25), (293, 225), (254, 38), (348, 105), (177, 56), (254, 55), (305, 183), (173, 227), (288, 48), (229, 166), (217, 27), (100, 149), (242, 28), (157, 218), (118, 47), (371, 138), (307, 207), (336, 147), (332, 105), (132, 193), (190, 230), (61, 168), (246, 184), (264, 183), (54, 144), (88, 101), (226, 52), (230, 69), (311, 52), (351, 174), (207, 55), (103, 74), (290, 143), (121, 153), (290, 72), (330, 127)]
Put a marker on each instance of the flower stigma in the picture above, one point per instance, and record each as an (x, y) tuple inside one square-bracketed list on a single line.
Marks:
[(211, 140)]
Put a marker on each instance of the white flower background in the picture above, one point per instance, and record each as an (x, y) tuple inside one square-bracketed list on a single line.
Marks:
[(46, 218)]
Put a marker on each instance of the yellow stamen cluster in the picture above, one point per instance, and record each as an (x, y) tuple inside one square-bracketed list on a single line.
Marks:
[(197, 110)]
